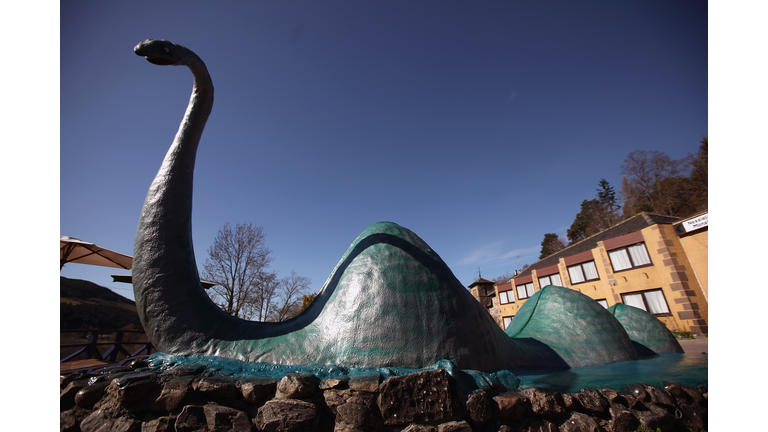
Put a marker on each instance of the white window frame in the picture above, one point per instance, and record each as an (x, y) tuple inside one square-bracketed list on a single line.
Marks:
[(507, 321), (547, 280), (652, 301), (630, 257), (582, 272), (602, 302), (508, 295), (528, 290)]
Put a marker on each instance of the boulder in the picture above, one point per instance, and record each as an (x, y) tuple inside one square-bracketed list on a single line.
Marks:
[(257, 391), (173, 396), (579, 422), (297, 386), (480, 407), (89, 395), (545, 402), (224, 419), (454, 426), (512, 405), (287, 415), (421, 397)]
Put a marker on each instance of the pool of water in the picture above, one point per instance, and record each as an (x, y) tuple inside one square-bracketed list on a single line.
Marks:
[(687, 369)]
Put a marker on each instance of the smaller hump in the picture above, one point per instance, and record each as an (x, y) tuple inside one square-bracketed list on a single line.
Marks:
[(647, 332), (576, 327)]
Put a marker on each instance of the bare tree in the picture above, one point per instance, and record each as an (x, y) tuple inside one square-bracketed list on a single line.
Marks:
[(288, 299), (238, 262), (651, 181), (503, 278)]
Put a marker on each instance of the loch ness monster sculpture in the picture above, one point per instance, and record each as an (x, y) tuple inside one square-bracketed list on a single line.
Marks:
[(389, 302)]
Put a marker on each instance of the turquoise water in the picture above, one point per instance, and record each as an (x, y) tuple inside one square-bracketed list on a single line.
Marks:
[(687, 369)]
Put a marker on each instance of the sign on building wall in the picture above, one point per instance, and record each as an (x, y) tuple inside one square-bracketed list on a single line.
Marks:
[(694, 224)]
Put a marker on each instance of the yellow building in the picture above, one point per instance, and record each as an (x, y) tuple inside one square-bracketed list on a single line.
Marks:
[(653, 262)]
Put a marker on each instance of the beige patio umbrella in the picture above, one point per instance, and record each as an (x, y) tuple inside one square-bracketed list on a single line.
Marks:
[(77, 251)]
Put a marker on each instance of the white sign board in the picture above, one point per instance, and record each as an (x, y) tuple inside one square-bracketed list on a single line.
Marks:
[(698, 222)]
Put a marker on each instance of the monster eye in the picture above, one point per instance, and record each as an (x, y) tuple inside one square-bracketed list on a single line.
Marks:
[(167, 50)]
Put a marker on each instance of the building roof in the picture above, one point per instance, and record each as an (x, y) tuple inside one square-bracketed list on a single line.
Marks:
[(635, 223), (480, 281)]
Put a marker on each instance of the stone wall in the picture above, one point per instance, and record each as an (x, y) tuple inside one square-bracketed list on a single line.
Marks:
[(193, 398)]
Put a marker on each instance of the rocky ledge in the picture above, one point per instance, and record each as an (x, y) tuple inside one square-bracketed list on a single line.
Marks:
[(195, 398)]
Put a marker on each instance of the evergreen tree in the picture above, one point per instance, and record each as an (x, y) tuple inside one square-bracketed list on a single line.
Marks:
[(551, 244)]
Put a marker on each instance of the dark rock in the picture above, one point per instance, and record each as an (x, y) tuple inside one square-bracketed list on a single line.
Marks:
[(660, 397), (365, 382), (173, 396), (695, 395), (638, 392), (110, 418), (571, 403), (512, 405), (160, 424), (297, 386), (655, 417), (592, 400), (216, 388), (257, 391), (415, 427), (334, 383), (191, 419), (287, 416), (612, 396), (677, 392), (69, 420), (67, 395), (355, 414), (622, 419), (223, 419), (421, 397), (534, 425), (89, 395), (580, 422), (132, 388), (689, 417), (545, 402), (454, 426), (335, 397), (343, 427), (480, 407)]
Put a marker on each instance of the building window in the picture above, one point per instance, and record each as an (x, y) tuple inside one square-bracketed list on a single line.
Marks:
[(652, 301), (603, 303), (550, 280), (524, 291), (629, 257), (583, 272), (506, 297), (507, 322)]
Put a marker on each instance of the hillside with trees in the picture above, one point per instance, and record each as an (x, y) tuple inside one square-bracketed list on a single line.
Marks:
[(85, 305)]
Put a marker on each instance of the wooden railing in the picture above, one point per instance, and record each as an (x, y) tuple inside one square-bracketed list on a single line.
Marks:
[(89, 350)]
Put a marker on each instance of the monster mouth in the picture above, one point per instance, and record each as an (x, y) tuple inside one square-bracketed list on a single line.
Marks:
[(160, 61)]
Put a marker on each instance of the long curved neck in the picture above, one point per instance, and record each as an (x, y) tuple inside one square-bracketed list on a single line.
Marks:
[(163, 251)]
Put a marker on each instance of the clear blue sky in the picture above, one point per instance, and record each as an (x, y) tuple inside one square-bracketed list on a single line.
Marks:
[(480, 126)]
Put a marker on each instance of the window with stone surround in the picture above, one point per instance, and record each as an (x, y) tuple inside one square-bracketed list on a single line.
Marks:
[(506, 297), (584, 272), (524, 291), (507, 322), (629, 257), (553, 279), (651, 301)]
